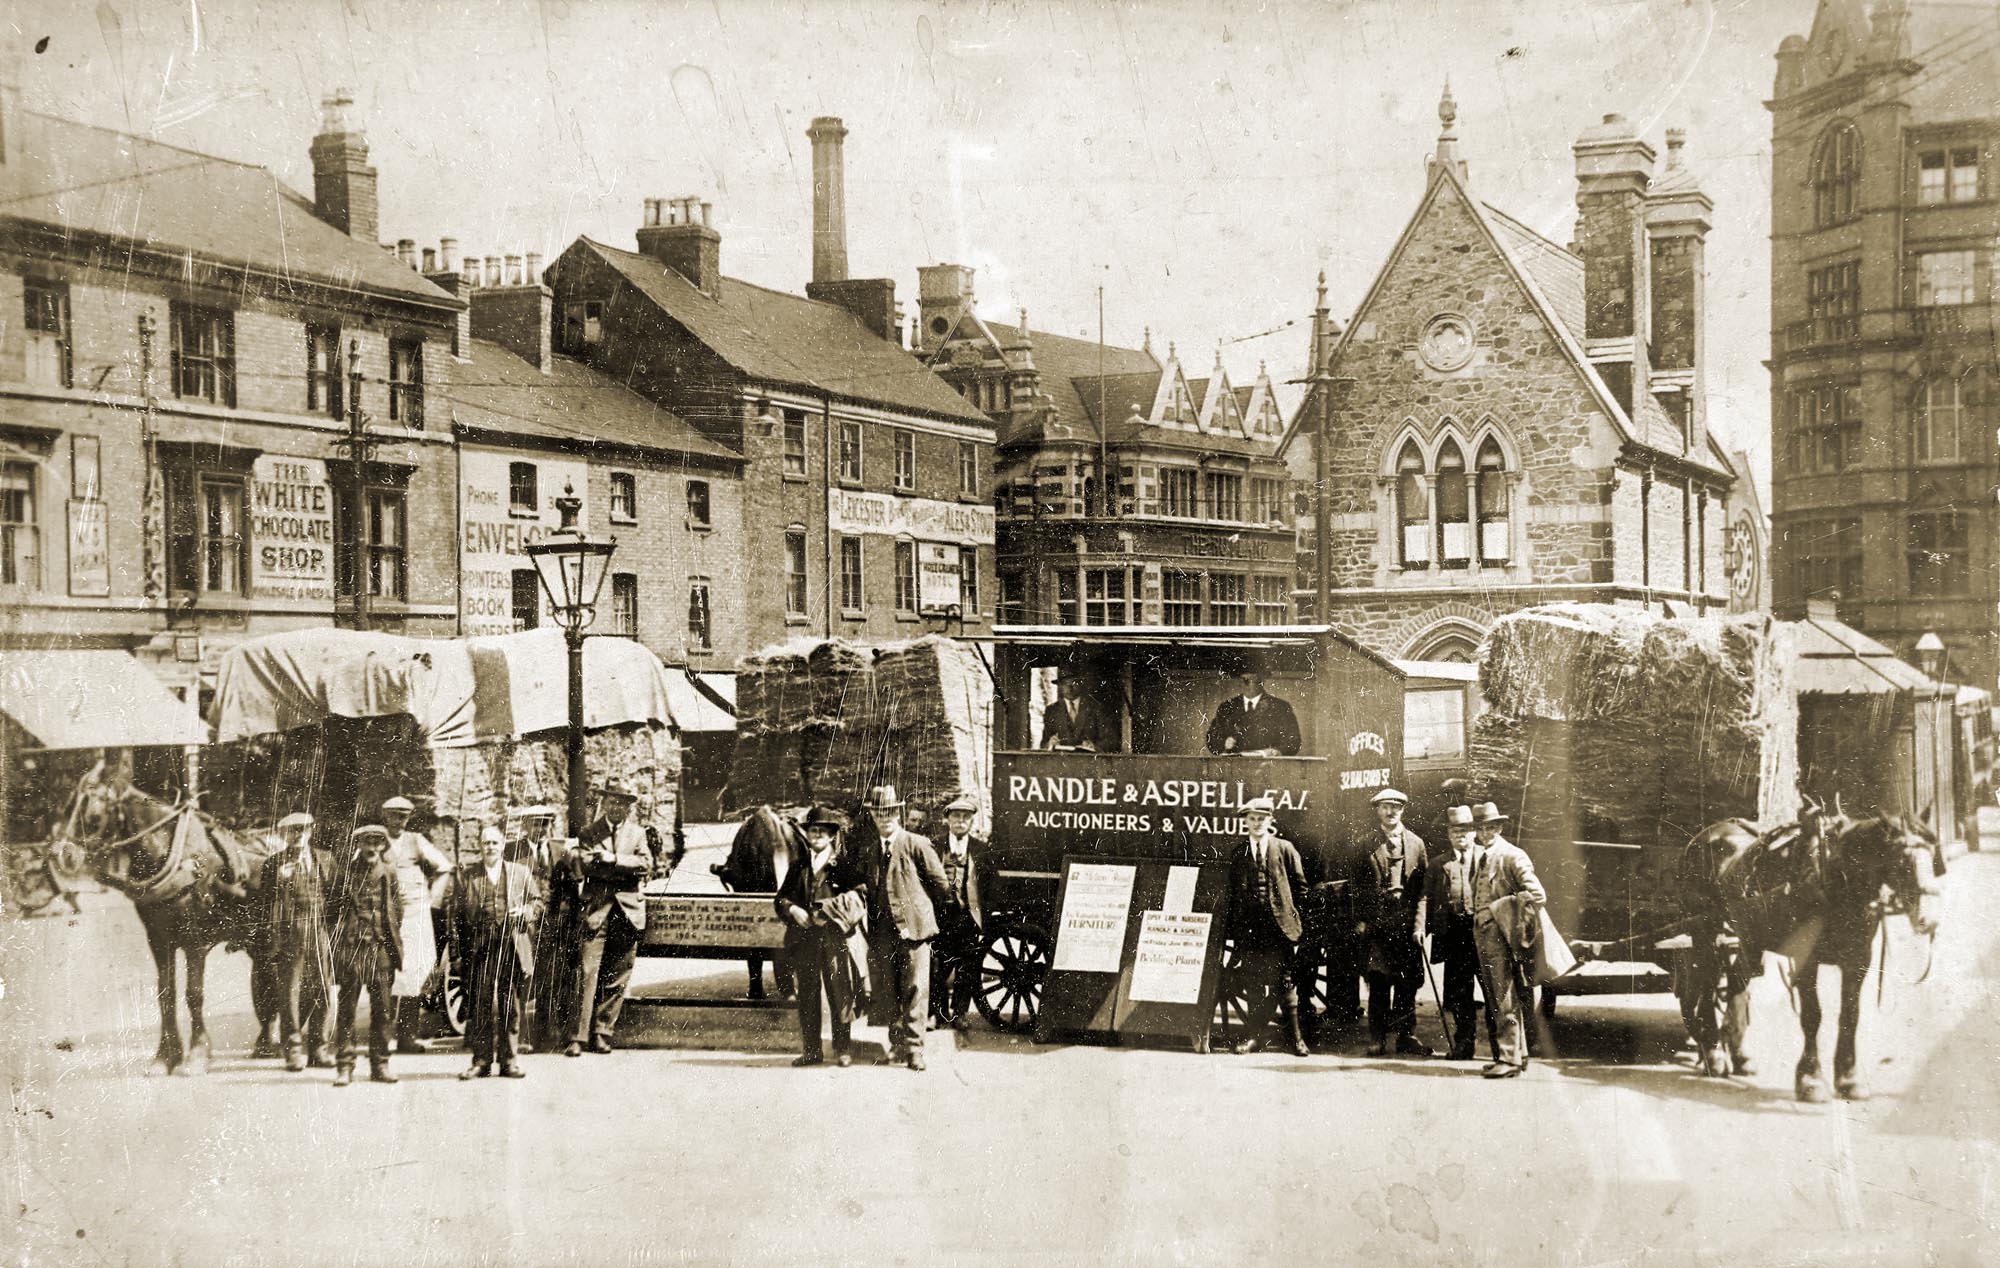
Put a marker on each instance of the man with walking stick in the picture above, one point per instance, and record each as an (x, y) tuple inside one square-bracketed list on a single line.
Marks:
[(1453, 946), (1506, 900)]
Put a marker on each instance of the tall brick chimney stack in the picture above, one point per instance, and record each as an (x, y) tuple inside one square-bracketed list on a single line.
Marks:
[(1613, 169), (1678, 217), (677, 232), (343, 183), (829, 200), (519, 313)]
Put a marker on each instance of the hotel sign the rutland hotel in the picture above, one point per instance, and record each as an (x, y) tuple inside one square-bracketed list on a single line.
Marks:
[(507, 502)]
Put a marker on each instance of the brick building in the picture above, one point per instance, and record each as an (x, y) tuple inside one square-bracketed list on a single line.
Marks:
[(1194, 529), (176, 379), (1883, 219), (866, 489), (1527, 421), (533, 424)]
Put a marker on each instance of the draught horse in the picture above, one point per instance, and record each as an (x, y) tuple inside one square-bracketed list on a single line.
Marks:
[(194, 884), (765, 838), (1817, 891)]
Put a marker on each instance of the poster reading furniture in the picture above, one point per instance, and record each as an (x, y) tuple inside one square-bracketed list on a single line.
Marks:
[(507, 501), (291, 529)]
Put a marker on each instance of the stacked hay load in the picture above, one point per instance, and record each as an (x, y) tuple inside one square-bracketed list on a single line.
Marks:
[(1613, 725), (824, 722)]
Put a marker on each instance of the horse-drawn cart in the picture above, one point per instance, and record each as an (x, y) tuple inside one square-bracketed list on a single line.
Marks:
[(1157, 793)]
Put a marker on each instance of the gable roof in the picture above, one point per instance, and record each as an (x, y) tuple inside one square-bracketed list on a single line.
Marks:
[(789, 340), (1552, 278), (573, 403), (160, 197), (1064, 361)]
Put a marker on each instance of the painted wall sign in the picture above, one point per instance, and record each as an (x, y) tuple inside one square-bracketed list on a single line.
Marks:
[(506, 502), (89, 549), (855, 512), (938, 582), (291, 529)]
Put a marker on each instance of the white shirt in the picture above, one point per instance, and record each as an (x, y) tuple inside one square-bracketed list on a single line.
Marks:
[(493, 875), (959, 845), (1250, 702), (820, 859)]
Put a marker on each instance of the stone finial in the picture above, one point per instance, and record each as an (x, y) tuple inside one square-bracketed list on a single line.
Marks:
[(1319, 297), (1218, 355), (1676, 138), (1146, 343), (1446, 155), (1447, 109)]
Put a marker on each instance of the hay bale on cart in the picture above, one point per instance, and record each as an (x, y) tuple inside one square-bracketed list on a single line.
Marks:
[(1613, 736), (822, 721)]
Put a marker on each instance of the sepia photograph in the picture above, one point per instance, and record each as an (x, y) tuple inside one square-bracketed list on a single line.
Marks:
[(763, 632)]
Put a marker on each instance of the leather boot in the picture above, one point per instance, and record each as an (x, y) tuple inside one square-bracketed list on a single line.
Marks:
[(407, 1011), (378, 1072), (343, 1076), (1299, 1048)]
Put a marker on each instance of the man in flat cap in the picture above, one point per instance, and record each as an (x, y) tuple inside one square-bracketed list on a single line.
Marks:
[(552, 989), (1266, 876), (961, 918), (1389, 885), (902, 872), (1254, 723), (1448, 912), (822, 902), (417, 864), (615, 855), (297, 883), (495, 906), (1506, 877), (367, 951)]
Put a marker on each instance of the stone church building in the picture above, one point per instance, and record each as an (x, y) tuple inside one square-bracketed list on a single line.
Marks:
[(1526, 421)]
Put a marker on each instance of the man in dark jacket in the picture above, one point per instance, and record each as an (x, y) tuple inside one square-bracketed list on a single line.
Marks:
[(367, 951), (495, 907), (297, 883), (1255, 723), (615, 855), (902, 873), (1266, 876), (960, 943), (752, 868), (820, 903), (1388, 894), (552, 988), (1075, 721), (1448, 912)]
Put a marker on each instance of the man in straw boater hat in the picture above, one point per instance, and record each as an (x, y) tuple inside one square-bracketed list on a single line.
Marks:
[(367, 951), (1448, 912), (960, 915), (297, 882), (416, 863), (902, 873), (552, 987), (1388, 894), (1505, 879), (1265, 878), (615, 855), (822, 904), (495, 906)]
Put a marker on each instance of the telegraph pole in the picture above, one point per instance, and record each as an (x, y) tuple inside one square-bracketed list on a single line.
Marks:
[(150, 520), (358, 446)]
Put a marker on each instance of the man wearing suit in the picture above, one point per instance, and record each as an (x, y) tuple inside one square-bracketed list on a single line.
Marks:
[(1255, 723), (955, 957), (902, 873), (1448, 911), (1505, 872), (495, 907), (1388, 893), (819, 903), (1265, 876), (297, 883), (1074, 720), (615, 855), (552, 988), (367, 951)]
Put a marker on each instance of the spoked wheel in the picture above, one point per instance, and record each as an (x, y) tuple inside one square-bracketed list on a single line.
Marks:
[(1013, 965), (1232, 1005), (451, 1001)]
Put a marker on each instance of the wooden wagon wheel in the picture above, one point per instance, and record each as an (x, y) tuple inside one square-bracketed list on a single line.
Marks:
[(1232, 1006), (1013, 965), (450, 1001)]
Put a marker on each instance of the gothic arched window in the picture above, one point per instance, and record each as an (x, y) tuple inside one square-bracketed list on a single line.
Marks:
[(1495, 504), (1836, 174), (1413, 508), (1454, 507)]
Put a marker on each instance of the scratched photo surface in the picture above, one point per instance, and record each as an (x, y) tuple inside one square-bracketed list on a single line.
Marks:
[(1034, 632)]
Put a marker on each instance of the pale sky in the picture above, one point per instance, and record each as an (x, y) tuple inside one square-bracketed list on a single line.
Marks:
[(1199, 161)]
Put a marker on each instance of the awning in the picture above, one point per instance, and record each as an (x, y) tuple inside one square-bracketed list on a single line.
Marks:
[(1835, 659), (693, 710), (93, 698)]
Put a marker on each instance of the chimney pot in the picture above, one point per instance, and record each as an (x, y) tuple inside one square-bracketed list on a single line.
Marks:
[(494, 274), (534, 265), (430, 260), (406, 251), (513, 270), (448, 254), (707, 216), (344, 186)]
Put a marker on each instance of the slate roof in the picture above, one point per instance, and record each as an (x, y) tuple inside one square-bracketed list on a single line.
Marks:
[(1557, 271), (1063, 362), (165, 198), (786, 339), (501, 392)]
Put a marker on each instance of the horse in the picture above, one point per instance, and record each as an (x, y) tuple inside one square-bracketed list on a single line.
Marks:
[(1816, 891), (752, 867), (194, 884)]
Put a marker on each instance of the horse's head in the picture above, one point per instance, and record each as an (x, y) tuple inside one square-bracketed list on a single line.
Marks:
[(114, 820), (1900, 860)]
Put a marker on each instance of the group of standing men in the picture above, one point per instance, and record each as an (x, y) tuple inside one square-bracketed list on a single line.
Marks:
[(1480, 903), (538, 921)]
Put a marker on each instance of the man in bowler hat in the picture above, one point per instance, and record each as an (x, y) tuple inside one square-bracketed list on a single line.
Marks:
[(902, 873), (820, 905)]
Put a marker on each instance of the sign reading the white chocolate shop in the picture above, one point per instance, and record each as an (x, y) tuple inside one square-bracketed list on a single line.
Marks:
[(291, 528)]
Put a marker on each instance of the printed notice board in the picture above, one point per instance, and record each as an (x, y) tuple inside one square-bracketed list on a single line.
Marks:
[(1138, 948)]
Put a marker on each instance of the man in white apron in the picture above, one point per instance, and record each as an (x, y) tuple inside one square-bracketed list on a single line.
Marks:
[(416, 863)]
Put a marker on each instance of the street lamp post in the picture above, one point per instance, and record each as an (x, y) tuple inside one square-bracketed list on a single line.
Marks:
[(572, 566), (1930, 655)]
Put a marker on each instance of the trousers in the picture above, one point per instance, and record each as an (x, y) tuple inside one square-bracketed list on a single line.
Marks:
[(302, 1001), (954, 966), (1267, 979), (820, 967), (381, 1007), (493, 1001), (603, 974), (1506, 1006), (1458, 956), (1392, 1004), (900, 971)]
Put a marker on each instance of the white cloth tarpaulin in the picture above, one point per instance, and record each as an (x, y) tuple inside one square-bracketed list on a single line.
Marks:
[(461, 692), (87, 698)]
